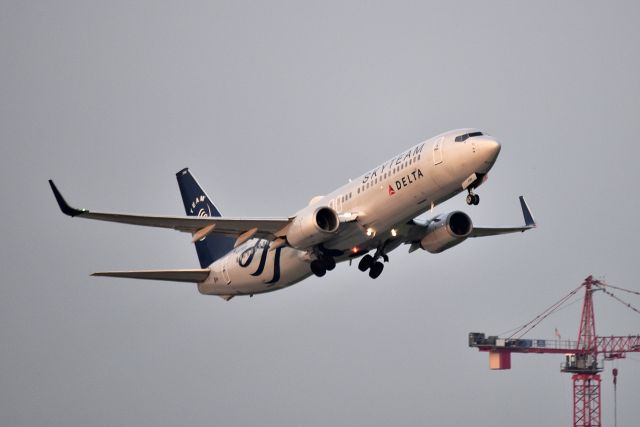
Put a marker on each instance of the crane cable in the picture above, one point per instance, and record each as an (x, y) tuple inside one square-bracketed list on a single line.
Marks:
[(527, 327), (620, 289), (618, 299), (564, 307), (540, 317)]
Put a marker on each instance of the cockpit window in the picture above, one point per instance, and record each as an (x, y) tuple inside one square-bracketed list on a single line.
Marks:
[(462, 138)]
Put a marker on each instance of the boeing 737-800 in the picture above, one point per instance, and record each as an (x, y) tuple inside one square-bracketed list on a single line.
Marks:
[(364, 219)]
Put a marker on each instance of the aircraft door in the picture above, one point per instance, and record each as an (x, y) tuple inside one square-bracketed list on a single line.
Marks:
[(225, 273), (336, 204), (437, 151)]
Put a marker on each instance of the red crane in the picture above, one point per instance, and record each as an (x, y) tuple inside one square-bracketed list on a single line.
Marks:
[(581, 356)]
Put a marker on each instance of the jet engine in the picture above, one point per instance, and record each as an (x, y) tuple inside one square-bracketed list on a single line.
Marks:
[(445, 231), (313, 226)]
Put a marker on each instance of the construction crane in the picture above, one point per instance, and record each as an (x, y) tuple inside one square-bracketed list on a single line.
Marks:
[(584, 358)]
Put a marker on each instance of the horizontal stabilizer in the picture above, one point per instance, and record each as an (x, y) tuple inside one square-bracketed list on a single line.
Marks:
[(194, 275)]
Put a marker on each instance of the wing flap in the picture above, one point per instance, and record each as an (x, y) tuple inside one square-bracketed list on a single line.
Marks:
[(195, 275), (266, 227)]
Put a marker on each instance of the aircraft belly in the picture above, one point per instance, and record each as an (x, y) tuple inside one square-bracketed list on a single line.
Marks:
[(390, 212)]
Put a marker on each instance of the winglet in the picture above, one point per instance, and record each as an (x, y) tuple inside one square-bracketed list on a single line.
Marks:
[(64, 206), (528, 218)]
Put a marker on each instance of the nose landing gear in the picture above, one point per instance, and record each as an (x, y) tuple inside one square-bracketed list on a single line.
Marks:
[(472, 199)]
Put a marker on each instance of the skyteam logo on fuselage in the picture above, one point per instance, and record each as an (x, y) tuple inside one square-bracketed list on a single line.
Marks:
[(409, 156)]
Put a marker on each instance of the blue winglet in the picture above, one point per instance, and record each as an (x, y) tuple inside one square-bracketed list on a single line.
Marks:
[(528, 218), (64, 206)]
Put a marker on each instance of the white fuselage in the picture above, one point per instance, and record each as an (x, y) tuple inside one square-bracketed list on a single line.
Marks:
[(381, 200)]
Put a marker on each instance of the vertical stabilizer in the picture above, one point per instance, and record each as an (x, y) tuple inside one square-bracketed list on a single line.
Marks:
[(197, 203)]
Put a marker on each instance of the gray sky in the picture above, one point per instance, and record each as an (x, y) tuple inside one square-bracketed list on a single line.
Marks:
[(271, 104)]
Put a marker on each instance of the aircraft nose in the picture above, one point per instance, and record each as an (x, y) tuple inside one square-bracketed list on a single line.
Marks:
[(488, 148)]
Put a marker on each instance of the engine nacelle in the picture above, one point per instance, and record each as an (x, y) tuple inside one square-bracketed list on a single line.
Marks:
[(312, 227), (445, 231)]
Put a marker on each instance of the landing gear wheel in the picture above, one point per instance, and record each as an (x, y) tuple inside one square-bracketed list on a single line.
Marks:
[(476, 199), (376, 269), (365, 262), (318, 268), (329, 263), (470, 199)]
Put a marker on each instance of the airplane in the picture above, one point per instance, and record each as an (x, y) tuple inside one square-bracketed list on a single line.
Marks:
[(363, 220)]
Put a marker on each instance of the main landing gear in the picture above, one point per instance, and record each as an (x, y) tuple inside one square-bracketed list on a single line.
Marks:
[(372, 264), (324, 263), (472, 199)]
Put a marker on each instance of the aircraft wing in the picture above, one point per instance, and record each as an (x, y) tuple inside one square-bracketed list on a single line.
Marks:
[(415, 231), (529, 223), (194, 275), (199, 226)]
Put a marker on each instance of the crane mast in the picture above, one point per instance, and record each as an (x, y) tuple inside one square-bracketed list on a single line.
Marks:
[(584, 366)]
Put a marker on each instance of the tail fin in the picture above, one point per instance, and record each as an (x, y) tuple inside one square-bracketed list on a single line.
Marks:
[(197, 203)]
